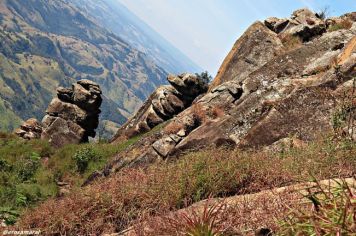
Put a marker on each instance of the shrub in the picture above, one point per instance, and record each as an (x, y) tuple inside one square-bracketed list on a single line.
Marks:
[(28, 167), (198, 112), (344, 24), (323, 13), (291, 42), (205, 76), (331, 212), (83, 157), (8, 215), (173, 127)]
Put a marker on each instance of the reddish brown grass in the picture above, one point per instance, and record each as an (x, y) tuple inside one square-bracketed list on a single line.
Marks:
[(173, 127), (241, 218), (208, 220), (217, 112), (199, 113), (291, 42), (131, 195)]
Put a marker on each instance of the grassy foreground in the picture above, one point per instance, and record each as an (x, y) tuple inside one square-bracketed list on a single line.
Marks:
[(31, 170), (134, 195)]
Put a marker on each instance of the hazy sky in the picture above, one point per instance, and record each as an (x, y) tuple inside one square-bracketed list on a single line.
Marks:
[(205, 30)]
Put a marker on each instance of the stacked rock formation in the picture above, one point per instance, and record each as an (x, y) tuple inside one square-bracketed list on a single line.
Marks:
[(30, 129), (73, 116), (166, 102)]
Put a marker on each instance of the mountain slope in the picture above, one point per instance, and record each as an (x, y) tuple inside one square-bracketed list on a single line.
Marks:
[(272, 86), (46, 44), (121, 21)]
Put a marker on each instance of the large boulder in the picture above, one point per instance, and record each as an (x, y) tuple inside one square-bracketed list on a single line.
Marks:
[(73, 116), (166, 102), (252, 50)]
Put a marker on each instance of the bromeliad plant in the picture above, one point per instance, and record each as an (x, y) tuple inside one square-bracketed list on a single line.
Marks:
[(332, 212), (208, 221)]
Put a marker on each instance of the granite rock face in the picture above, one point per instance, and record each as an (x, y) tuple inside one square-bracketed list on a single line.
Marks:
[(166, 102), (265, 91), (73, 116)]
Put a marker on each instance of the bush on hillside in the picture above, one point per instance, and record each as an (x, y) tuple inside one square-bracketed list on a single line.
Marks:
[(344, 24), (205, 76), (83, 157)]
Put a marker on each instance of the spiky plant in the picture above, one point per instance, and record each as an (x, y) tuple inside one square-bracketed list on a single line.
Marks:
[(332, 211)]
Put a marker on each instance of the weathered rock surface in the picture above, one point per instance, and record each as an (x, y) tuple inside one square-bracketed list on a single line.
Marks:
[(303, 23), (286, 93), (30, 129), (252, 50), (73, 116), (166, 102)]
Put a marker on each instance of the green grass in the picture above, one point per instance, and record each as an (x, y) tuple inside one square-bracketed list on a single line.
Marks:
[(344, 24), (30, 170), (8, 119)]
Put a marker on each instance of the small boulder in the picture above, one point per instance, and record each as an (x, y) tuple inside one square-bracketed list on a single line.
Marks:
[(164, 146), (62, 132), (30, 129)]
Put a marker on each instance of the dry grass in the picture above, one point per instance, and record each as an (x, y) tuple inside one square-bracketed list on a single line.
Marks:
[(173, 127), (134, 194), (243, 218), (209, 220), (217, 112), (291, 42), (199, 113), (330, 210), (344, 24), (318, 208)]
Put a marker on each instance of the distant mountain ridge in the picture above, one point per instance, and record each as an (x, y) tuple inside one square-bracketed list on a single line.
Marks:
[(46, 44), (120, 20)]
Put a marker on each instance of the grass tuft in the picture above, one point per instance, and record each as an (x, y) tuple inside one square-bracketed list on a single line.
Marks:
[(331, 211)]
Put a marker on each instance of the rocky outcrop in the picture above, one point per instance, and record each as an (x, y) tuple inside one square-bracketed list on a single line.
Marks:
[(30, 129), (287, 92), (252, 50), (303, 23), (166, 102), (73, 116)]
